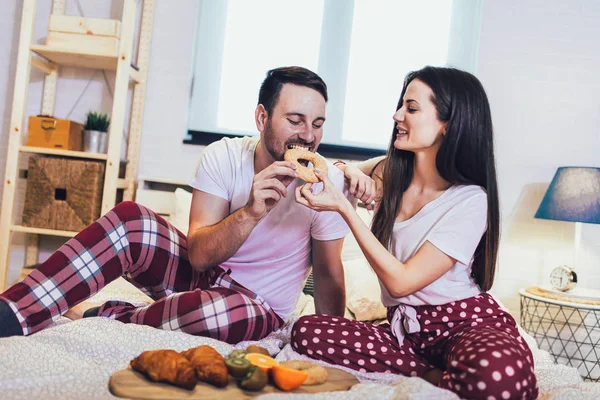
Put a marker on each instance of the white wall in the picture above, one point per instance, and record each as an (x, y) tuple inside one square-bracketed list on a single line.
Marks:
[(162, 152), (539, 63), (537, 60)]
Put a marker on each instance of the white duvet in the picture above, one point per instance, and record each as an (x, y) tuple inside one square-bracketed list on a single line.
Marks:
[(74, 360)]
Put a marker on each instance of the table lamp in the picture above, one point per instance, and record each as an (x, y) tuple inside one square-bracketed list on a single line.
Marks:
[(573, 195)]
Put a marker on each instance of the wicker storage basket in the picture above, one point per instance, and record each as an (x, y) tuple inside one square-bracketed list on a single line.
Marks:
[(63, 194)]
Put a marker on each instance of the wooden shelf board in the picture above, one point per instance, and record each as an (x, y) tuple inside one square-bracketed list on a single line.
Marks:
[(135, 75), (122, 183), (82, 59), (65, 153), (42, 231), (43, 65), (52, 56)]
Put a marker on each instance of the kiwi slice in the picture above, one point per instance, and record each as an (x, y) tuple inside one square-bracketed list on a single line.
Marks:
[(257, 349), (238, 367), (237, 354), (255, 380)]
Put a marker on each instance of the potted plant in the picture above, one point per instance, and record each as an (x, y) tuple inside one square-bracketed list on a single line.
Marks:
[(95, 132)]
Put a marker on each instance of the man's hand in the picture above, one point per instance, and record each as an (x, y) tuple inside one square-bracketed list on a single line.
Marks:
[(360, 185), (269, 186)]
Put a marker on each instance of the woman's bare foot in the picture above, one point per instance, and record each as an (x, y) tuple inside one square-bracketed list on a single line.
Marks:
[(433, 376), (77, 311)]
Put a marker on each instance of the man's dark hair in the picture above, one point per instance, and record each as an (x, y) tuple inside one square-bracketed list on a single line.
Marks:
[(276, 78)]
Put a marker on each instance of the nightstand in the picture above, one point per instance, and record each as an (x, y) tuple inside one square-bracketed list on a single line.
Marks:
[(570, 331)]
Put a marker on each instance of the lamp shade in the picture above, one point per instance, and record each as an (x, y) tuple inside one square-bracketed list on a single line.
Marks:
[(573, 195)]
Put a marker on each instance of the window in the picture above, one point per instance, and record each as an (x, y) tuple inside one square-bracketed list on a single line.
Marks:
[(247, 53), (362, 49)]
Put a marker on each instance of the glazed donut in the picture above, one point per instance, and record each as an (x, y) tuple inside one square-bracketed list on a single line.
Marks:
[(316, 373), (305, 173)]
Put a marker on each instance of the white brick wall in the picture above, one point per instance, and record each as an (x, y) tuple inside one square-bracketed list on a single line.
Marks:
[(162, 152), (539, 63), (537, 59)]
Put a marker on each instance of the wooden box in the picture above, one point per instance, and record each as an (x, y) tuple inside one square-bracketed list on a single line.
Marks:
[(63, 194), (95, 35), (55, 133)]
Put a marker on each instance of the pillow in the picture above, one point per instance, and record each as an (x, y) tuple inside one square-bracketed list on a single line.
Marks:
[(351, 249), (183, 203), (302, 301), (306, 306), (363, 293)]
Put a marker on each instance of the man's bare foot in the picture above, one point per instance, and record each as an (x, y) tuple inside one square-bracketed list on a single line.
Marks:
[(77, 311), (433, 376)]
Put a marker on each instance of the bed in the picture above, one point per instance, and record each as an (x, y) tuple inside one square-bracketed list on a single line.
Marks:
[(74, 359)]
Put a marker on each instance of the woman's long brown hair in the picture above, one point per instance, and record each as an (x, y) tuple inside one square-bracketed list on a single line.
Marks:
[(465, 157)]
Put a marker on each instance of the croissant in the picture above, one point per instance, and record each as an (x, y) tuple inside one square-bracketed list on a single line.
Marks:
[(166, 366), (209, 365)]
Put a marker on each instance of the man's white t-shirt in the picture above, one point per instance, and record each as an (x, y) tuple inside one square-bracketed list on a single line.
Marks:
[(454, 223), (275, 260)]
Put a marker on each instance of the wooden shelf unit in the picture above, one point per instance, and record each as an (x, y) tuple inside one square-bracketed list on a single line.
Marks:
[(63, 153), (78, 59), (42, 231), (51, 57), (50, 60)]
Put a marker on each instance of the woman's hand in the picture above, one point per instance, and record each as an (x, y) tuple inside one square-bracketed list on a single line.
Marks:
[(330, 199), (360, 185)]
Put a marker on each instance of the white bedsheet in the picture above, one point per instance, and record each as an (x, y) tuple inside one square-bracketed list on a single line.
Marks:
[(74, 360)]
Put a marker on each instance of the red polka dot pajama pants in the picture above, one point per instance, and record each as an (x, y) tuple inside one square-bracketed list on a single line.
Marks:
[(473, 341)]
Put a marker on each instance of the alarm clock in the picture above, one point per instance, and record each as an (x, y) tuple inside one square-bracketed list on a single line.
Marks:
[(563, 278)]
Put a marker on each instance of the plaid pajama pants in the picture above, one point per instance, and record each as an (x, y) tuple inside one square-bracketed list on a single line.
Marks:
[(474, 341), (134, 242)]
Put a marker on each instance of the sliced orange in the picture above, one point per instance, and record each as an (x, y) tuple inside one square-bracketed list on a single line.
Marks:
[(263, 362), (286, 378)]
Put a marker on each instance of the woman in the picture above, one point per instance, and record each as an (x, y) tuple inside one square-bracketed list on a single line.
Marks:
[(433, 245)]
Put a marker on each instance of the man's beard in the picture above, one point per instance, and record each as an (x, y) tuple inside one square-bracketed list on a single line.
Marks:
[(275, 148), (271, 143)]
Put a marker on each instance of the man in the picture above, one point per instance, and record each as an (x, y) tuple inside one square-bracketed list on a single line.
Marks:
[(250, 246)]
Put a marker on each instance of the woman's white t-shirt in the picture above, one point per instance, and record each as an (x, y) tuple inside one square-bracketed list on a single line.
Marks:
[(454, 223)]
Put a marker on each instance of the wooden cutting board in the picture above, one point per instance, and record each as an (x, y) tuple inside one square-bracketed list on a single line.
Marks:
[(131, 384)]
